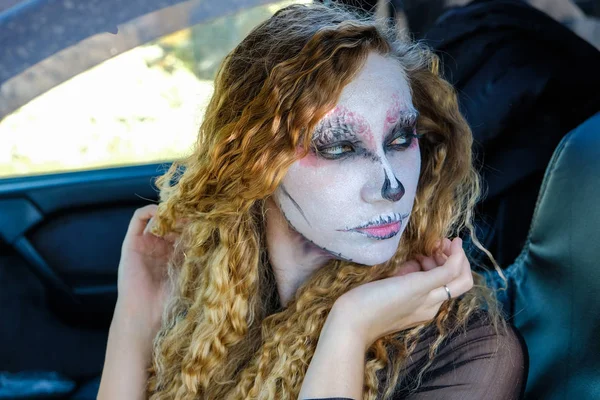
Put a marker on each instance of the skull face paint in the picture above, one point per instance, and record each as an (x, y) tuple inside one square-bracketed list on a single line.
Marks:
[(352, 195)]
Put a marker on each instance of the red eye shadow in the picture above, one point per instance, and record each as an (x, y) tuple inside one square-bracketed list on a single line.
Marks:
[(310, 160), (393, 114)]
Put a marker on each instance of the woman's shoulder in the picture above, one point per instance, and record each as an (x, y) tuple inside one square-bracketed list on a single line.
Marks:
[(476, 360)]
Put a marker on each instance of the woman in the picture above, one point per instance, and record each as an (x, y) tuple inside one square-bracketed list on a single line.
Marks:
[(295, 271)]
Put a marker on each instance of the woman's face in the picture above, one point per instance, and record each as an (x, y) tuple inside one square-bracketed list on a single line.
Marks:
[(353, 193)]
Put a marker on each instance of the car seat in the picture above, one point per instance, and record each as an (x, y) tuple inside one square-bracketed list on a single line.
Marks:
[(554, 284)]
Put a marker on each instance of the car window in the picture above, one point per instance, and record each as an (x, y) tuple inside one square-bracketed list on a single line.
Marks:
[(141, 106)]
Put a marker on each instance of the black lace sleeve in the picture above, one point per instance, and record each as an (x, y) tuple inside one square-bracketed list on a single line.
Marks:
[(477, 364)]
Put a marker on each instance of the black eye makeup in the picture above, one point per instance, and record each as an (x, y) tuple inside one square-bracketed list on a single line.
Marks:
[(403, 138), (335, 140), (335, 151)]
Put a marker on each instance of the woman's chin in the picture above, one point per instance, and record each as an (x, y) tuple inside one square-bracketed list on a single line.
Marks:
[(372, 255), (371, 261)]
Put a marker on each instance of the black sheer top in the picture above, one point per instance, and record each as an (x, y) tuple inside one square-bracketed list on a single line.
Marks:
[(474, 364)]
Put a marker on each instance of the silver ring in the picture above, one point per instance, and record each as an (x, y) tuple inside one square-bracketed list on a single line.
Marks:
[(448, 292)]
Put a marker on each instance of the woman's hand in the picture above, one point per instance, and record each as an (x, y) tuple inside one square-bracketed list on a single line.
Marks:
[(412, 296), (142, 276), (142, 286)]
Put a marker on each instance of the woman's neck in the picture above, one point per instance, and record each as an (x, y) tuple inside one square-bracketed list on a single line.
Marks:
[(293, 258)]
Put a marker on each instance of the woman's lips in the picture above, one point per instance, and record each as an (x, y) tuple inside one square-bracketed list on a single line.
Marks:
[(381, 231)]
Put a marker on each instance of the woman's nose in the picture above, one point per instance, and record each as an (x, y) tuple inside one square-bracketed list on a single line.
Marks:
[(392, 191), (384, 186)]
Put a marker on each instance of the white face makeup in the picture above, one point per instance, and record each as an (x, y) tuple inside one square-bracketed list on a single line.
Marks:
[(353, 193)]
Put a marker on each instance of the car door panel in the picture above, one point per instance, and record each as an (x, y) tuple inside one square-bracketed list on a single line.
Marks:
[(61, 238), (69, 228)]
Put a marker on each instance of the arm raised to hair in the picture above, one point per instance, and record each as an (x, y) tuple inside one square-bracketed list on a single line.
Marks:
[(142, 290), (128, 355)]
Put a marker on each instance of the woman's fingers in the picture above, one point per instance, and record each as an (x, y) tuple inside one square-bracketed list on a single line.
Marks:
[(427, 263), (451, 270), (171, 237), (140, 218), (455, 246), (408, 267), (148, 228), (143, 219), (458, 286), (455, 289), (440, 258), (446, 244)]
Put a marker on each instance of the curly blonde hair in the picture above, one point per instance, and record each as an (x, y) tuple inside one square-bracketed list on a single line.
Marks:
[(224, 335)]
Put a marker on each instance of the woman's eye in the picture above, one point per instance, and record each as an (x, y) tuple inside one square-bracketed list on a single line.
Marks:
[(404, 140), (335, 151), (401, 141)]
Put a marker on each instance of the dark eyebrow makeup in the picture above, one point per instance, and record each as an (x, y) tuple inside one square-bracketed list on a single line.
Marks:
[(407, 118), (338, 128), (335, 129), (405, 122)]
